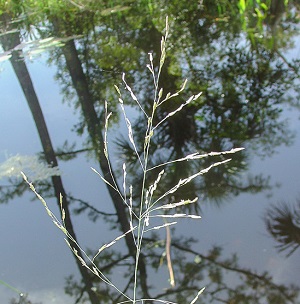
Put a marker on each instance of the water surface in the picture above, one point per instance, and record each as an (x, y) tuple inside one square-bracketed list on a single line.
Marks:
[(248, 72)]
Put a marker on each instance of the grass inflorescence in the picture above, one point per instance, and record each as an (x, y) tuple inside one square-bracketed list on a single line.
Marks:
[(150, 206)]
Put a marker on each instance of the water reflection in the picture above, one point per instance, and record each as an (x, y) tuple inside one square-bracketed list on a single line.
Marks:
[(244, 77), (283, 223)]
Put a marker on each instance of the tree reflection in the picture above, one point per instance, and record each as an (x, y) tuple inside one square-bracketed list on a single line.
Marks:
[(225, 279), (283, 224), (9, 42), (23, 300), (243, 83)]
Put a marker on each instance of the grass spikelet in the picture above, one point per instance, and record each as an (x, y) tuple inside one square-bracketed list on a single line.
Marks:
[(169, 96), (185, 181), (112, 243), (124, 180), (132, 94), (54, 219), (107, 116), (197, 155), (153, 187), (197, 296), (161, 226), (176, 215), (175, 111), (130, 134), (175, 205)]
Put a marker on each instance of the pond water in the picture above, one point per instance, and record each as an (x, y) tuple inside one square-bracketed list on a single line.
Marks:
[(54, 80)]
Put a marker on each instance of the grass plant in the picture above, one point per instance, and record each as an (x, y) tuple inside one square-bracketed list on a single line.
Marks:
[(150, 205)]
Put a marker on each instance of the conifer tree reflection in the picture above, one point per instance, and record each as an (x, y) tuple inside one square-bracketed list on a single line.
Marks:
[(283, 224)]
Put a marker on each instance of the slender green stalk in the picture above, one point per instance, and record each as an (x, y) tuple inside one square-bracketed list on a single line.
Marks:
[(11, 288), (142, 221)]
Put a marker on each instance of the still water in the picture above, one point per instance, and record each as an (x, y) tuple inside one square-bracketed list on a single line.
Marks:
[(244, 249)]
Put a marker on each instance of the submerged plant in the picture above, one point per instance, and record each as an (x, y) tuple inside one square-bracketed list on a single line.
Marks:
[(150, 205)]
